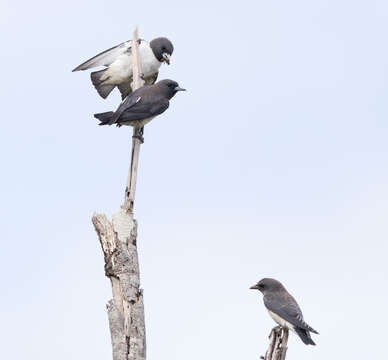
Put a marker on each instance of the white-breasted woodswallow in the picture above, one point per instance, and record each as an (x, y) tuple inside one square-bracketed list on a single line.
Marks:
[(284, 309), (141, 106), (118, 62)]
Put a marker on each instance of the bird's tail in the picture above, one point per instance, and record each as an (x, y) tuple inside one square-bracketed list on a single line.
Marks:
[(104, 117), (304, 335), (103, 89)]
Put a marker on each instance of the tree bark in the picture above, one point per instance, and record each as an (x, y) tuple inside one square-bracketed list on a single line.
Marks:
[(277, 348), (118, 241)]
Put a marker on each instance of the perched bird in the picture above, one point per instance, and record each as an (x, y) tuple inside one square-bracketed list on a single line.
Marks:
[(118, 61), (141, 106), (284, 309)]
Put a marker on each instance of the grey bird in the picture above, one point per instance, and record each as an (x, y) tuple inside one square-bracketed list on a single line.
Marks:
[(118, 62), (283, 308), (141, 106)]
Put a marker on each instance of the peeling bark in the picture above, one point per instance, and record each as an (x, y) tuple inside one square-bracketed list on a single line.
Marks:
[(126, 310), (277, 348)]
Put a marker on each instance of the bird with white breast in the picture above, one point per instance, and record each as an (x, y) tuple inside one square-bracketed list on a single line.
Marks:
[(118, 62)]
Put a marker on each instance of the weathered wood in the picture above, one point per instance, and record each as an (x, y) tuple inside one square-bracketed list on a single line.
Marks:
[(118, 339), (118, 242), (277, 348), (137, 82), (126, 310), (284, 344)]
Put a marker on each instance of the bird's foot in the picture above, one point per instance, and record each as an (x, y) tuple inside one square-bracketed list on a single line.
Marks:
[(278, 329), (275, 330), (139, 132), (141, 138)]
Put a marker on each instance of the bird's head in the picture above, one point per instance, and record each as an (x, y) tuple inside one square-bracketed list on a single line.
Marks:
[(162, 49), (169, 87), (267, 284)]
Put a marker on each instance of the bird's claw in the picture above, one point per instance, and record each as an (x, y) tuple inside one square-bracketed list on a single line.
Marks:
[(275, 329), (141, 138), (139, 132)]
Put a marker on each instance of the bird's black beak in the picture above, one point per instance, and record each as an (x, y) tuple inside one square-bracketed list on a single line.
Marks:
[(179, 89), (254, 287)]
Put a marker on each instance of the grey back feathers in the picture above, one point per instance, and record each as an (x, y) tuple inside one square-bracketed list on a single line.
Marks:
[(142, 105), (279, 302)]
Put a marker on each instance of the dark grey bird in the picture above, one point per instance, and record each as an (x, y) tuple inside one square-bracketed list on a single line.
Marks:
[(284, 309), (141, 106), (118, 61)]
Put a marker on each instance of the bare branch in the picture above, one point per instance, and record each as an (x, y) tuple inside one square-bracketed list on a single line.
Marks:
[(137, 82), (277, 348)]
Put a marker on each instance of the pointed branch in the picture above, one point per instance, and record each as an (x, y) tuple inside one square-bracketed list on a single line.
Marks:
[(137, 82)]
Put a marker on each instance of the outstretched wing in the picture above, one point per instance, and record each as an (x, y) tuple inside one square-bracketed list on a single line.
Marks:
[(107, 57), (125, 88), (287, 309)]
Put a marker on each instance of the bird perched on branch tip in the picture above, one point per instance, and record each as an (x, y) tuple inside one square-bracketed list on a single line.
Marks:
[(141, 106), (118, 62), (283, 308)]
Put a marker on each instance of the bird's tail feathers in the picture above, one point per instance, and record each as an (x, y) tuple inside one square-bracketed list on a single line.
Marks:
[(103, 89), (312, 330), (306, 326), (104, 117), (304, 335)]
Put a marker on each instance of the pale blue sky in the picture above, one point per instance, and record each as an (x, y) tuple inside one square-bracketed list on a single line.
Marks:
[(274, 163)]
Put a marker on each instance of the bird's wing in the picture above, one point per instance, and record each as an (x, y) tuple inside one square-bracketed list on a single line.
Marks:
[(287, 309), (144, 110), (125, 88), (128, 103), (107, 57)]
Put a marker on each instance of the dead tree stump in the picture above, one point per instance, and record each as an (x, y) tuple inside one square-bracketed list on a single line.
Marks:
[(118, 241)]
